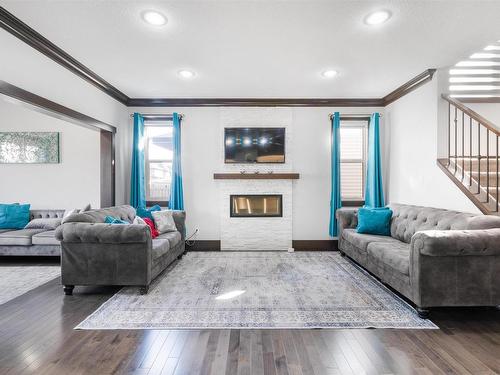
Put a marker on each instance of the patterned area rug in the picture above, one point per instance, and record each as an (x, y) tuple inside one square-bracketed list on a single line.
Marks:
[(258, 290), (17, 280)]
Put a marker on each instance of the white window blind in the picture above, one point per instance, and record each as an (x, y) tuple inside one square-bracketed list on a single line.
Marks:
[(158, 154), (352, 161)]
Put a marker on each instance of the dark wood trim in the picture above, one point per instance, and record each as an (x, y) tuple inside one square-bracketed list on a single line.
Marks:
[(311, 245), (52, 108), (254, 102), (353, 203), (298, 245), (408, 87), (480, 100), (159, 203), (481, 206), (22, 31), (256, 176), (107, 161), (204, 245)]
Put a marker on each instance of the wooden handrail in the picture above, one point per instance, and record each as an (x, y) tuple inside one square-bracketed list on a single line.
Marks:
[(473, 114)]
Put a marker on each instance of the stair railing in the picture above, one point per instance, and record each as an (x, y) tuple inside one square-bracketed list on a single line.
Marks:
[(471, 140)]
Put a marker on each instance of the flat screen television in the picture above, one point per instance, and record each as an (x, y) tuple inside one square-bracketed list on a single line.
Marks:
[(254, 145)]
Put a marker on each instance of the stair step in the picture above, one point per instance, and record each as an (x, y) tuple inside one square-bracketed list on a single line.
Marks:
[(474, 165)]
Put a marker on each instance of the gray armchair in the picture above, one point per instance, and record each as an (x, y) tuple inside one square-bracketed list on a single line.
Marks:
[(95, 253)]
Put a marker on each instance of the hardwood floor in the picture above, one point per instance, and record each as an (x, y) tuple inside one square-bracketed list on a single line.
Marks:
[(37, 337)]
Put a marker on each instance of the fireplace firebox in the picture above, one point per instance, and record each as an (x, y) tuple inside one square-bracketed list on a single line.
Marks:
[(251, 205)]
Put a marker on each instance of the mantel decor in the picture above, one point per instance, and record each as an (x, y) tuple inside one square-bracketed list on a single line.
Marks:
[(29, 147)]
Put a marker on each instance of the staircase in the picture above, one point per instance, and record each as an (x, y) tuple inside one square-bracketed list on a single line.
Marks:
[(473, 161)]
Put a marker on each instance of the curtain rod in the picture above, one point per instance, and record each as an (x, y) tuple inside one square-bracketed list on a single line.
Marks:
[(158, 117), (354, 116)]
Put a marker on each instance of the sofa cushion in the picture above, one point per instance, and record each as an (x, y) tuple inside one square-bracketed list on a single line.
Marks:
[(124, 212), (361, 241), (393, 254), (47, 224), (45, 238), (407, 220), (173, 238), (18, 237), (160, 247)]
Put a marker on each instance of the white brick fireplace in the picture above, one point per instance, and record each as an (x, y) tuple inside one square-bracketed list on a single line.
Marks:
[(256, 233)]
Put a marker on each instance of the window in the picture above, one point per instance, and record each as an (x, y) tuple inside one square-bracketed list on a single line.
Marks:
[(353, 161), (158, 154)]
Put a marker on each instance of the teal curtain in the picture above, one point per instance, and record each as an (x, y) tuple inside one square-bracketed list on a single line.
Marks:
[(176, 200), (137, 189), (374, 189), (335, 199)]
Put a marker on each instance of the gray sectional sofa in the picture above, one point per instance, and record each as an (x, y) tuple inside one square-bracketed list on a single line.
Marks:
[(31, 242), (434, 257), (95, 253)]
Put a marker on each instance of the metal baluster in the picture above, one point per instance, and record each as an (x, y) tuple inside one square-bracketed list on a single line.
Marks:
[(449, 133), (470, 151), (463, 145), (487, 165), (496, 205), (456, 153), (478, 157)]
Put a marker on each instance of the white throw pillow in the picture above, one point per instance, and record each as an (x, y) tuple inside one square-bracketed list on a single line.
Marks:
[(70, 212), (164, 221), (139, 220)]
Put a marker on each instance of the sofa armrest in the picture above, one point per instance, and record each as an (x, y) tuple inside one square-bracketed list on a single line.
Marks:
[(446, 243), (180, 222), (103, 233), (346, 218)]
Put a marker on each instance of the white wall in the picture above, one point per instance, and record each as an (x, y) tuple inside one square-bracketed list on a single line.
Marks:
[(414, 176), (201, 141), (23, 66), (490, 111), (72, 183)]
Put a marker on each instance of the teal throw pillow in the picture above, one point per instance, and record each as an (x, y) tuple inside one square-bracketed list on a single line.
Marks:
[(14, 216), (374, 221), (114, 220), (146, 213)]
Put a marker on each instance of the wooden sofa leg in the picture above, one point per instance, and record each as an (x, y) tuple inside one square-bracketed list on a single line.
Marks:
[(423, 313), (342, 254), (68, 290), (144, 289)]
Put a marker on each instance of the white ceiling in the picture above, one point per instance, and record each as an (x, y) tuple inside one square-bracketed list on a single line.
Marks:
[(262, 48)]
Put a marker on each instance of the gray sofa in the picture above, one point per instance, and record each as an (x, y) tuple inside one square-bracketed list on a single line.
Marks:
[(31, 242), (434, 257), (95, 253)]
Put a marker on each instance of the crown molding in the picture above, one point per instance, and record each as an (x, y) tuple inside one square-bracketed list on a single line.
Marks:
[(409, 86), (19, 29), (22, 31), (253, 102)]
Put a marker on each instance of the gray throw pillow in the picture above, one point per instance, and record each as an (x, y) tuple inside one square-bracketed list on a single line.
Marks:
[(164, 221), (45, 223)]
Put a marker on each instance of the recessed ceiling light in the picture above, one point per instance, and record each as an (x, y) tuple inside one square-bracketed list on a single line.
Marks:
[(329, 73), (187, 74), (154, 18), (378, 17)]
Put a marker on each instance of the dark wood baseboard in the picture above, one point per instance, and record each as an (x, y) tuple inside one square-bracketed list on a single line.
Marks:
[(315, 245), (298, 245), (204, 245)]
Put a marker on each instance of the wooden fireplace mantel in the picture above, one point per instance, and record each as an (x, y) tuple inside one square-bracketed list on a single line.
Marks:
[(256, 176)]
